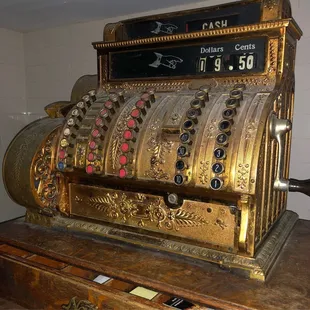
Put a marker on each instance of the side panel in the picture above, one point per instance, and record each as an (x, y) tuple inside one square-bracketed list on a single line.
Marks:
[(18, 160)]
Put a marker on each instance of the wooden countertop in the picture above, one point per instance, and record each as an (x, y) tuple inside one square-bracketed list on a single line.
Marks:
[(288, 286)]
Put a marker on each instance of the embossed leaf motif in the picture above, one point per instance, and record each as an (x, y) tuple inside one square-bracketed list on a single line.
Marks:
[(117, 137), (189, 219), (157, 152), (173, 219), (115, 206), (113, 152), (105, 204), (158, 148)]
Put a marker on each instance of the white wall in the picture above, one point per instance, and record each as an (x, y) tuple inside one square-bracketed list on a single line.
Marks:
[(300, 159), (56, 58), (12, 103)]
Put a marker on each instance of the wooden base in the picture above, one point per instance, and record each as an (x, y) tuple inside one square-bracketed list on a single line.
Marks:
[(257, 267), (44, 268)]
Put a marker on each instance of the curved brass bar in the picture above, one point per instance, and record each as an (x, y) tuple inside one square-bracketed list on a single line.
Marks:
[(245, 203)]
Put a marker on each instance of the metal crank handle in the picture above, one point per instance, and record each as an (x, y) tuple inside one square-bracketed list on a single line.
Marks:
[(278, 128)]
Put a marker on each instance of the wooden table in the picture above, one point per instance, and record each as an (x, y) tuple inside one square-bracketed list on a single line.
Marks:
[(8, 305), (42, 268)]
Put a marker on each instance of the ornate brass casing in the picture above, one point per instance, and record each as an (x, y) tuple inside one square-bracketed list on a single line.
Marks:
[(190, 162)]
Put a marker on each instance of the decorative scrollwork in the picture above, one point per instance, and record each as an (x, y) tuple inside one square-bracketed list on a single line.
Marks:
[(158, 149), (117, 137), (45, 180), (79, 305), (114, 206), (157, 173), (204, 169), (271, 4), (81, 154), (243, 175), (121, 206)]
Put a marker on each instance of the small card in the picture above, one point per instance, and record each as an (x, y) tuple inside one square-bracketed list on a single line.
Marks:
[(143, 292), (101, 279), (182, 304), (178, 303)]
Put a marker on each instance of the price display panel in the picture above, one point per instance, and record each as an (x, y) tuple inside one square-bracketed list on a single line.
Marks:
[(243, 56)]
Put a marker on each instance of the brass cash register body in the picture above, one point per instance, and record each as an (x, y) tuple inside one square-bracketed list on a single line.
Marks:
[(181, 145)]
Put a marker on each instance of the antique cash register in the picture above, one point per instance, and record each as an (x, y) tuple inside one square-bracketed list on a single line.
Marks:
[(179, 145)]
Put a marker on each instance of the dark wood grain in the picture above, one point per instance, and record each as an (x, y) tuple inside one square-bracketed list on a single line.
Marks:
[(40, 287), (15, 251), (288, 286), (9, 305), (47, 262)]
